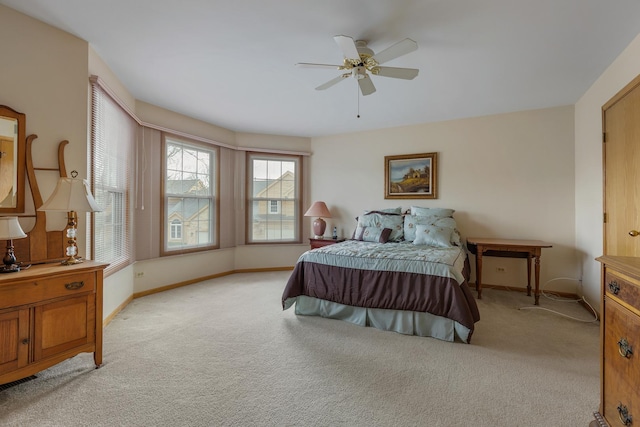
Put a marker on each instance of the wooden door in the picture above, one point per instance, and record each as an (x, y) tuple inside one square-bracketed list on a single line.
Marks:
[(14, 340), (64, 325), (621, 152)]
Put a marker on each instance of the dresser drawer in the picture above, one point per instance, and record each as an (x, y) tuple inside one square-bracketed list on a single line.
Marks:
[(621, 367), (622, 288), (30, 292)]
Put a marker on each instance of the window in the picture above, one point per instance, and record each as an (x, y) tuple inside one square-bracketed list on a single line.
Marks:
[(190, 196), (176, 230), (273, 205), (113, 138)]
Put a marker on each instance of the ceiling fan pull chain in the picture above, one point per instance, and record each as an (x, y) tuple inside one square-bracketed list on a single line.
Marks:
[(358, 96)]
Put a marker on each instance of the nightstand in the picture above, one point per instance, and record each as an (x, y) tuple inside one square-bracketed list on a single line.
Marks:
[(318, 243)]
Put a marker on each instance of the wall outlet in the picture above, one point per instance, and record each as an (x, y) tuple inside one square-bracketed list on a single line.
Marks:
[(139, 273), (501, 270)]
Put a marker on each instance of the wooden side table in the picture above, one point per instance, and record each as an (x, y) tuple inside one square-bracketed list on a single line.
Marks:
[(512, 249), (318, 243)]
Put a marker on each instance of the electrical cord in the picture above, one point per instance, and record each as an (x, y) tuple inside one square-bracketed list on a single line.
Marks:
[(555, 297)]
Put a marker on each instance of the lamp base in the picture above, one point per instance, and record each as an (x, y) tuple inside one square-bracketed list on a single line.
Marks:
[(72, 261), (9, 260), (9, 269), (318, 227)]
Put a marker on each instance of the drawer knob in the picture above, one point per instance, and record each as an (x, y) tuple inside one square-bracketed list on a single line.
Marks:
[(623, 413), (625, 349), (614, 288), (25, 341), (74, 285), (633, 233)]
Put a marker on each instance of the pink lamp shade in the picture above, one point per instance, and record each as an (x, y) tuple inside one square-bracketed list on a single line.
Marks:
[(320, 210)]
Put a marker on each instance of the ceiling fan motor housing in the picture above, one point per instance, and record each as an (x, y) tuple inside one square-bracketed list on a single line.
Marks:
[(362, 48)]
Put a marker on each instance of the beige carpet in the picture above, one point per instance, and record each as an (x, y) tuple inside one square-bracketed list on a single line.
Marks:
[(223, 353)]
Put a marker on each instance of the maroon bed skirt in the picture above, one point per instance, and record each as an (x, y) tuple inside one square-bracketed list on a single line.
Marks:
[(392, 290)]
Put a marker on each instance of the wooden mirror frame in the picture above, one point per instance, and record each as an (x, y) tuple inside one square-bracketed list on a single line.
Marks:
[(19, 172)]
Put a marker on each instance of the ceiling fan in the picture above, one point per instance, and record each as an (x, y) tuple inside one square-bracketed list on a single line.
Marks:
[(360, 62)]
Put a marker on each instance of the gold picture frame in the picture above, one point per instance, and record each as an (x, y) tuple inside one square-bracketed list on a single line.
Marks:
[(411, 176)]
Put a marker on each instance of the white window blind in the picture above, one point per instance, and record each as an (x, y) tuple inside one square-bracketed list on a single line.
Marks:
[(113, 139)]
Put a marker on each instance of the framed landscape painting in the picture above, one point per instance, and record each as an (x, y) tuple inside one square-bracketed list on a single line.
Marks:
[(411, 176)]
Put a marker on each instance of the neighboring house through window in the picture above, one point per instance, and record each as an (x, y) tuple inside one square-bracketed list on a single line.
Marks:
[(273, 205), (190, 196)]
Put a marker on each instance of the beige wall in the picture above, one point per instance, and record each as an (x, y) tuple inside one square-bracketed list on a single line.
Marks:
[(44, 76), (588, 158), (508, 176)]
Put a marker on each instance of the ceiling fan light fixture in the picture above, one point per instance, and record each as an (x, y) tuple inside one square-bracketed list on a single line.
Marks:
[(359, 72)]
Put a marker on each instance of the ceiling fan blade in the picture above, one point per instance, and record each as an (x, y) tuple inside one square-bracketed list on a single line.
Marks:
[(308, 65), (332, 82), (392, 52), (397, 73), (366, 86), (348, 47)]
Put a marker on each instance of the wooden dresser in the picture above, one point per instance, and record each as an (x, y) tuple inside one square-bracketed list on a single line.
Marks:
[(620, 342), (48, 313)]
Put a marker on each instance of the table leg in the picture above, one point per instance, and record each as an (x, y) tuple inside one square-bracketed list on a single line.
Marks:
[(479, 271), (529, 256), (537, 291)]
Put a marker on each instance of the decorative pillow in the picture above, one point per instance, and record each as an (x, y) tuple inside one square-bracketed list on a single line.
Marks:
[(431, 235), (411, 221), (439, 212), (450, 223), (397, 210), (384, 220), (373, 234)]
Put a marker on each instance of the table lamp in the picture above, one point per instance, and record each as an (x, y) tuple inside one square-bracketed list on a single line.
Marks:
[(320, 210), (10, 229), (71, 195)]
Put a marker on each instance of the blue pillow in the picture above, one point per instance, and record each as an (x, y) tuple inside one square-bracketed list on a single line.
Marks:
[(397, 210), (384, 220), (439, 212), (412, 221), (431, 235)]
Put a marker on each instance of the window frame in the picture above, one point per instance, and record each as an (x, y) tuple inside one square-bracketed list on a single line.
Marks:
[(165, 233), (249, 199)]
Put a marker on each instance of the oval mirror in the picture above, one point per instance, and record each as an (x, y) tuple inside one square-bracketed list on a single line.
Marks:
[(12, 143)]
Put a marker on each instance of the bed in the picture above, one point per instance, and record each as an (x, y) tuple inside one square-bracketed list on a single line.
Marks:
[(406, 273)]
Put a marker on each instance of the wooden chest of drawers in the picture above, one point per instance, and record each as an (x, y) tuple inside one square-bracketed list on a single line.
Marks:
[(620, 340), (49, 313)]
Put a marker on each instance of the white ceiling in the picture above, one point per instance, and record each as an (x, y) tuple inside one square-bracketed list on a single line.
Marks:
[(231, 62)]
